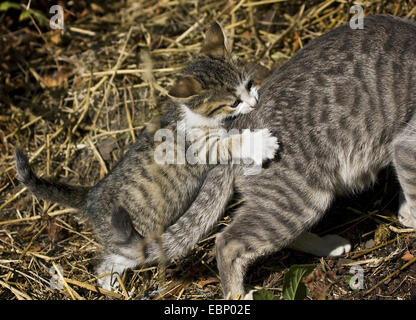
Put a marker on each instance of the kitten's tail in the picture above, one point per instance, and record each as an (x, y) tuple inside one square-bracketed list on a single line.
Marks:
[(71, 196), (200, 218)]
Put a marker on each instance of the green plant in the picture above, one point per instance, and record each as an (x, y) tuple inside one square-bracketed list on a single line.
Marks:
[(25, 13), (293, 287), (263, 295)]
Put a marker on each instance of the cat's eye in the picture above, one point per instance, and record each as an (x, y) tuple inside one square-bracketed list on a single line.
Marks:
[(249, 84), (236, 103)]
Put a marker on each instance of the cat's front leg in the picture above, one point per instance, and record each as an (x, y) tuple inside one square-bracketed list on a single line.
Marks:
[(263, 146), (255, 146), (259, 145)]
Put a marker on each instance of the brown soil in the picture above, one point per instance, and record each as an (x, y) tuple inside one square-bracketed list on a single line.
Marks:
[(60, 99)]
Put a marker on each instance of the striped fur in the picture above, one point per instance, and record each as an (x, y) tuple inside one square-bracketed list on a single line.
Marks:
[(343, 107), (140, 196)]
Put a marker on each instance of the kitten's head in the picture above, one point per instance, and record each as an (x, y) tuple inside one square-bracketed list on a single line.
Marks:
[(214, 85)]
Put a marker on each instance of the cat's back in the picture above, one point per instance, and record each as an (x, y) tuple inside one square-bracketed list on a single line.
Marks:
[(379, 35), (382, 38), (346, 75), (339, 102)]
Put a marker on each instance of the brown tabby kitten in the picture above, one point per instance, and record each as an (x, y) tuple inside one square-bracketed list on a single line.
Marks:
[(344, 108), (140, 195)]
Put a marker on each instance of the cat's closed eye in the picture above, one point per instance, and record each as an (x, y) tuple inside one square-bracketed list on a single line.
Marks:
[(236, 103), (213, 111)]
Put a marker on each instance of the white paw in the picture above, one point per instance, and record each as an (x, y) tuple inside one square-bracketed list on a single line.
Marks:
[(405, 216), (334, 245), (113, 265), (270, 144), (108, 283), (259, 145), (249, 295)]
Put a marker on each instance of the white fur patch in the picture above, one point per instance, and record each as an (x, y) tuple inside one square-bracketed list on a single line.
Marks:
[(243, 108), (254, 93), (113, 263), (405, 215), (330, 245), (258, 145), (247, 97), (191, 119)]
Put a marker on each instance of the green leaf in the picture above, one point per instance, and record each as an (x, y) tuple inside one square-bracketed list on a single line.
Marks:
[(24, 15), (39, 16), (293, 288), (6, 5), (263, 295), (36, 13)]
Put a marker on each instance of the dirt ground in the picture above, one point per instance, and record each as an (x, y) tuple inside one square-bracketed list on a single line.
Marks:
[(75, 99)]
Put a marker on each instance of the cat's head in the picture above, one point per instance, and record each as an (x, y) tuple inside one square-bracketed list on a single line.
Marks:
[(214, 85)]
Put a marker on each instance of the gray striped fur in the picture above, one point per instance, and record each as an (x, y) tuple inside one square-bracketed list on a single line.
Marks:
[(141, 197), (343, 108)]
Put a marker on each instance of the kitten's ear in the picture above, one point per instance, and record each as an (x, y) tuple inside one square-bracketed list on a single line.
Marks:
[(215, 41), (185, 88), (257, 72)]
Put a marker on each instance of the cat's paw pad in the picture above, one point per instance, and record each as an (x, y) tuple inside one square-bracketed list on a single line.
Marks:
[(335, 245)]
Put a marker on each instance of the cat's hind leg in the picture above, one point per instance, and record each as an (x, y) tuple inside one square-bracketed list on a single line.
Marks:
[(330, 245), (278, 206), (405, 213), (120, 241)]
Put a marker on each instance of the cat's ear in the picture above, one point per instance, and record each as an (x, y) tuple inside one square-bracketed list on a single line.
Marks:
[(185, 88), (258, 73), (215, 41)]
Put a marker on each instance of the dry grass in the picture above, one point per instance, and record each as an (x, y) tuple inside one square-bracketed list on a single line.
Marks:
[(75, 101)]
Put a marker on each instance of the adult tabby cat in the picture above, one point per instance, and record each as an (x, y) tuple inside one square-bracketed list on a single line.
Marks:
[(140, 194), (343, 107)]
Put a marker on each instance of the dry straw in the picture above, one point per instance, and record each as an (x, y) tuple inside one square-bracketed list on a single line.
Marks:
[(87, 93)]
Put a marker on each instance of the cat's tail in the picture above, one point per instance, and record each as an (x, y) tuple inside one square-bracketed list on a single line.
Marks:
[(208, 207), (71, 196)]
